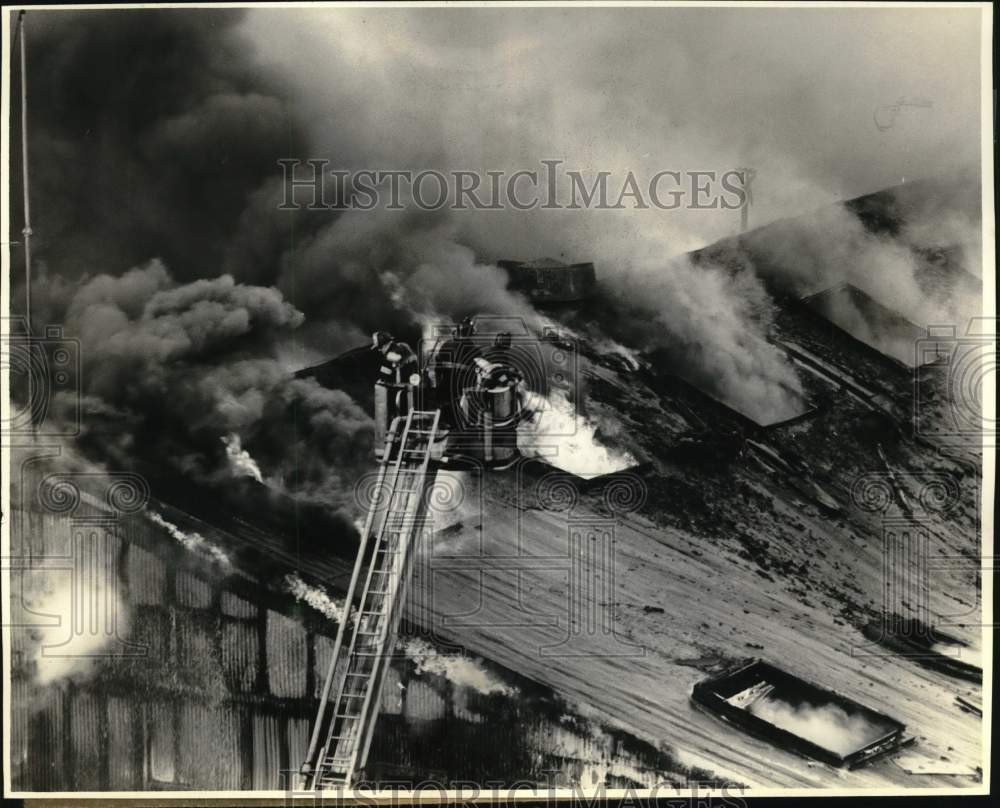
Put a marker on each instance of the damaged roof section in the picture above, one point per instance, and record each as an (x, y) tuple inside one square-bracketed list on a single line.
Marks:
[(864, 318), (799, 716)]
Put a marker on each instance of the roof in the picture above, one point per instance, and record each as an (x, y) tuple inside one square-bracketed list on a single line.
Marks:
[(545, 263)]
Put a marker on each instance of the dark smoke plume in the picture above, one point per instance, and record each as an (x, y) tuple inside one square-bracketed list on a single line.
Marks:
[(156, 136), (150, 136)]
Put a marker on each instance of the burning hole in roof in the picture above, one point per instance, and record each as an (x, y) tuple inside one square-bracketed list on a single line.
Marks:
[(717, 408), (562, 437), (799, 716)]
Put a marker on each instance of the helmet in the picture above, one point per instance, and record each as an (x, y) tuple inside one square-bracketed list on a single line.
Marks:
[(467, 327), (380, 339)]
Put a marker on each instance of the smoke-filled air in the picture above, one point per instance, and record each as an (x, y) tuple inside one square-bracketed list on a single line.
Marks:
[(160, 243)]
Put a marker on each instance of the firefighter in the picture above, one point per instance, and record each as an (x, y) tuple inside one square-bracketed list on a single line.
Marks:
[(399, 362), (466, 329), (452, 370), (495, 375), (502, 343)]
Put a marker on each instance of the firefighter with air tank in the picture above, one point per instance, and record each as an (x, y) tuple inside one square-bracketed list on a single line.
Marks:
[(469, 377), (398, 377)]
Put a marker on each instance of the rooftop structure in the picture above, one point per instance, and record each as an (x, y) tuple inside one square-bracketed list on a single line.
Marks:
[(546, 280)]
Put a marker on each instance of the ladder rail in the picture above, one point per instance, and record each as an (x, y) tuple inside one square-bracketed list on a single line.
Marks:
[(390, 626), (377, 536), (349, 733), (310, 759)]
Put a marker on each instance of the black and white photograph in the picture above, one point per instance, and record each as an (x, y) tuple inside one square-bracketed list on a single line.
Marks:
[(497, 401)]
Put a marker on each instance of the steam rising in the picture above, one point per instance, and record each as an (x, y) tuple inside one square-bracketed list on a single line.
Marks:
[(711, 324), (195, 298), (828, 726)]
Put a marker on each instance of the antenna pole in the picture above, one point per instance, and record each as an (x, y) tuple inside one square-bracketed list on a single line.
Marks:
[(24, 172), (27, 216), (746, 176)]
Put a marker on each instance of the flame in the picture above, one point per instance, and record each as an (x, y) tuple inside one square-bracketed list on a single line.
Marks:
[(315, 597), (567, 440), (92, 617), (194, 542)]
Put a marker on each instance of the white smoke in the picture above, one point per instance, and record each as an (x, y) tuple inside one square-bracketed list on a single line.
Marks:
[(479, 88), (315, 597), (828, 726), (710, 323), (561, 436), (460, 670), (831, 246), (240, 461), (475, 90), (599, 752), (194, 542), (91, 617)]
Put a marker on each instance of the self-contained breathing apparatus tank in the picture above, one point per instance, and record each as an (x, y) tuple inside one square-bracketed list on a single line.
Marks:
[(491, 410), (478, 390)]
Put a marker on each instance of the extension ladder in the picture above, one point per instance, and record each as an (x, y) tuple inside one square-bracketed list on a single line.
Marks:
[(339, 744)]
